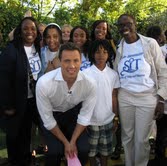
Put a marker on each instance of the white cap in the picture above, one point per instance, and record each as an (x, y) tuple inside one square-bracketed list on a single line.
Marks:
[(54, 24)]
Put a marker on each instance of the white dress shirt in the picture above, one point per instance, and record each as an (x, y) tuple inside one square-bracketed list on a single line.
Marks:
[(52, 94)]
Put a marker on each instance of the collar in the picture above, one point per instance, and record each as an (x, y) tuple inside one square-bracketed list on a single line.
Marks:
[(97, 70)]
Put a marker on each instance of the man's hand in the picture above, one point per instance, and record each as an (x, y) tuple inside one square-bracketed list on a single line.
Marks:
[(70, 150), (159, 111)]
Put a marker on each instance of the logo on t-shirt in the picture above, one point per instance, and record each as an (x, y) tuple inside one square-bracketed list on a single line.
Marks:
[(85, 64), (130, 66), (35, 64)]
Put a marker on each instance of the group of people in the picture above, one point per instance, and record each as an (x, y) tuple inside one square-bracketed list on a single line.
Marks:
[(78, 88)]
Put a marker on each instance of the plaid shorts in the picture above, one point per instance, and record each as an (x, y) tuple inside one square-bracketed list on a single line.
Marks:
[(100, 140)]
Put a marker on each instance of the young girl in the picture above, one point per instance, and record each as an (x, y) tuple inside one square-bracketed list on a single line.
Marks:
[(66, 29), (80, 36), (52, 37), (101, 30), (105, 116)]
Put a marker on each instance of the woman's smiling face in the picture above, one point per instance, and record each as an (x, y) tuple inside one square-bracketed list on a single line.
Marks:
[(127, 28), (28, 32), (101, 30)]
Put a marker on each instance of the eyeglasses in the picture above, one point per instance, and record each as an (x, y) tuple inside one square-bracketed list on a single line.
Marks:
[(128, 24)]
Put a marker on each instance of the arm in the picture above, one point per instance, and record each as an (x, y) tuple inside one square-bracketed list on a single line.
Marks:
[(88, 104), (115, 109), (161, 70), (70, 148), (43, 103), (115, 101), (159, 110), (7, 83), (58, 133), (73, 147)]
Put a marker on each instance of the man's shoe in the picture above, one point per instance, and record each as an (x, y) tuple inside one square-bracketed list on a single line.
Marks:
[(115, 156)]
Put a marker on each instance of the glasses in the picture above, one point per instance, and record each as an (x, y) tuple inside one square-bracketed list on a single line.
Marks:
[(128, 24)]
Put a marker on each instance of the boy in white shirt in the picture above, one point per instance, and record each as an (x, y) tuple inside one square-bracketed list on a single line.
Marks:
[(105, 115)]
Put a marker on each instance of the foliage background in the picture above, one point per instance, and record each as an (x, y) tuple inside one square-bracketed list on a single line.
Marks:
[(82, 12)]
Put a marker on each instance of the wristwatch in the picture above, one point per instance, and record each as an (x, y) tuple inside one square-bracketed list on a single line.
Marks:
[(116, 118)]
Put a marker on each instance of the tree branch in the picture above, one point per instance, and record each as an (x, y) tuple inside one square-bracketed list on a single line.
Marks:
[(50, 10)]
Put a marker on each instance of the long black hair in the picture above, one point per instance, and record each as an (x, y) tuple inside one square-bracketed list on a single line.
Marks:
[(18, 41), (107, 46), (95, 24), (86, 46), (108, 35)]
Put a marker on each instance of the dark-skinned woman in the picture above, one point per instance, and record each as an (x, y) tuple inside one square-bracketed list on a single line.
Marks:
[(142, 71), (20, 67)]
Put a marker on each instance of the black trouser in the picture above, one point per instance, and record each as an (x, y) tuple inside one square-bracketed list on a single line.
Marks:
[(10, 127), (67, 123), (18, 135), (161, 141)]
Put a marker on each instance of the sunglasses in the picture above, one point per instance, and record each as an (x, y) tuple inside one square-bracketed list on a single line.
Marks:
[(128, 24)]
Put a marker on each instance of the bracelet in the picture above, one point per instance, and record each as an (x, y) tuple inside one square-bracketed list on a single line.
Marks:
[(116, 118), (161, 101)]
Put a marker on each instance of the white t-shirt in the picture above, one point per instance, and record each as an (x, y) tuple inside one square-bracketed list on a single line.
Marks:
[(134, 71), (50, 55), (35, 64), (106, 81)]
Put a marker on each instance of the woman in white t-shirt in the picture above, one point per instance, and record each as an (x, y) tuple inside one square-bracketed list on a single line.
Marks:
[(142, 72), (20, 67), (52, 37)]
